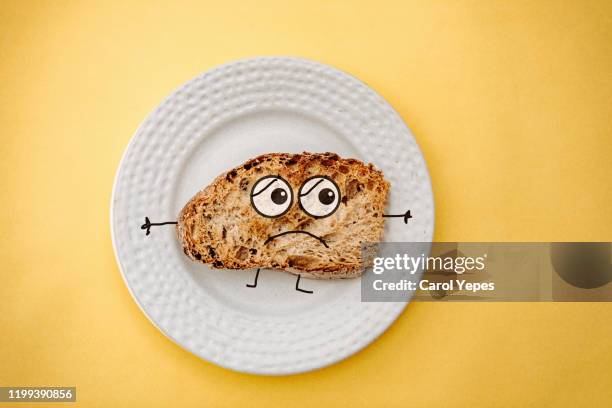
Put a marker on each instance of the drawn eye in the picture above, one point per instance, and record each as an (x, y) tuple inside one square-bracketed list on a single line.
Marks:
[(319, 196), (271, 196)]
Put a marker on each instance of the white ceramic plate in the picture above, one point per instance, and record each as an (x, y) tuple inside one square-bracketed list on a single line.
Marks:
[(213, 123)]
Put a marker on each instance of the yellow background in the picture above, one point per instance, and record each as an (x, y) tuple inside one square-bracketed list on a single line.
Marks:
[(509, 101)]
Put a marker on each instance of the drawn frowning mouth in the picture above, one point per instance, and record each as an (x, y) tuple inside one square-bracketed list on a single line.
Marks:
[(272, 237)]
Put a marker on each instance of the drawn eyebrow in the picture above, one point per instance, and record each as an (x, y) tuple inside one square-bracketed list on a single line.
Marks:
[(263, 189), (311, 188)]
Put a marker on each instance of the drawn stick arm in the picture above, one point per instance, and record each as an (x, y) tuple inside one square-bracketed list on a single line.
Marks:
[(148, 224), (406, 216)]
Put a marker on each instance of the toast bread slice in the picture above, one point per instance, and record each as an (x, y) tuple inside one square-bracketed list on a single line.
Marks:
[(223, 227)]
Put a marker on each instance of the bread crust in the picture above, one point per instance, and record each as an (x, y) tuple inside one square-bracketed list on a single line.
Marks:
[(219, 226)]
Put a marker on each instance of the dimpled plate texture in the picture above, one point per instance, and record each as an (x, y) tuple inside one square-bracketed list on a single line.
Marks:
[(214, 122)]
